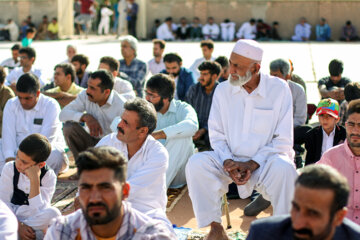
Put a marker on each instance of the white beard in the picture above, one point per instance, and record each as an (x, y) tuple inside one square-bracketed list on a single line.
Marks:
[(237, 80)]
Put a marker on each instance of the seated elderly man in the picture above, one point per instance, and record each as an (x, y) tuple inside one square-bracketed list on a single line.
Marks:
[(131, 65), (302, 31), (96, 108), (250, 129), (32, 112), (148, 159), (177, 123)]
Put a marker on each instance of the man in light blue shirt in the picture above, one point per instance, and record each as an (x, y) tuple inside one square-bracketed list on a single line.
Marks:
[(177, 122)]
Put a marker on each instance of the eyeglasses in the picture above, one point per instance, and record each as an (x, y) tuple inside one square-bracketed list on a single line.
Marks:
[(150, 95)]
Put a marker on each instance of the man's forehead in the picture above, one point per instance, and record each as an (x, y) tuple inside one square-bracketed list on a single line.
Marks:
[(313, 198), (354, 117), (171, 64), (97, 176), (236, 58), (94, 82)]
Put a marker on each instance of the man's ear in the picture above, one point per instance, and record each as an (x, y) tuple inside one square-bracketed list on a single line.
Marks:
[(125, 190), (38, 93), (180, 64), (339, 216), (41, 164), (107, 91)]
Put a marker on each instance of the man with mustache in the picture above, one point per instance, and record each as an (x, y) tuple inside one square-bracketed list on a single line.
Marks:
[(104, 214), (318, 210), (251, 132), (148, 158), (345, 158), (177, 123), (96, 108), (183, 77)]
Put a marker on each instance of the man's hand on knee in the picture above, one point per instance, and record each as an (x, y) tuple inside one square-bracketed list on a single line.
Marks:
[(240, 172), (93, 125)]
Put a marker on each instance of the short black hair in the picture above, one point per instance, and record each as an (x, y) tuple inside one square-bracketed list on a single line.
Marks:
[(2, 75), (111, 62), (29, 51), (106, 78), (336, 67), (172, 57), (212, 66), (207, 43), (28, 83), (352, 91), (168, 19), (348, 22), (161, 43), (223, 61), (81, 58), (252, 20), (275, 23), (326, 177), (354, 107), (30, 30), (36, 146), (163, 84), (103, 157), (15, 47), (146, 112), (67, 69)]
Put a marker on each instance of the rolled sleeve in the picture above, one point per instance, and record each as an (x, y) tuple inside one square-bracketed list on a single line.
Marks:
[(74, 110)]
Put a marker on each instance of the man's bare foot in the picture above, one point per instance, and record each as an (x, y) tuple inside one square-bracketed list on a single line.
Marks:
[(217, 232)]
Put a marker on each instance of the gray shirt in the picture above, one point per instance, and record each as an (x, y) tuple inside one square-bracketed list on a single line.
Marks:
[(299, 103)]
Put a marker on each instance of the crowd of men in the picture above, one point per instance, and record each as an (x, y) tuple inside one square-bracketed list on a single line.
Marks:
[(133, 136)]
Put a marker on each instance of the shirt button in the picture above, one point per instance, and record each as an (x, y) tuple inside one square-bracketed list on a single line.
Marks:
[(357, 171), (356, 217), (356, 190), (356, 206)]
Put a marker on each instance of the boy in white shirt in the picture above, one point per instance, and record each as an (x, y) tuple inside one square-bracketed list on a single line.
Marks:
[(27, 186)]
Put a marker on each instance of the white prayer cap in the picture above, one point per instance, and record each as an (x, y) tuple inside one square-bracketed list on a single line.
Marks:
[(249, 49)]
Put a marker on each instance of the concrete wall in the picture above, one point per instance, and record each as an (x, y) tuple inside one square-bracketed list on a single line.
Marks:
[(286, 12), (20, 9)]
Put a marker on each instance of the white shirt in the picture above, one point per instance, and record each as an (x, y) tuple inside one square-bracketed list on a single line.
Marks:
[(13, 30), (36, 203), (106, 13), (155, 67), (146, 173), (299, 103), (328, 141), (196, 64), (124, 88), (255, 126), (302, 31), (8, 223), (19, 123), (104, 115), (163, 32), (10, 64), (212, 30), (17, 72), (247, 31), (227, 26), (135, 226)]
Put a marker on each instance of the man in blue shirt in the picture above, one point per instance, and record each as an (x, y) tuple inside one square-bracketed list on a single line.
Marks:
[(199, 96), (183, 77), (176, 125)]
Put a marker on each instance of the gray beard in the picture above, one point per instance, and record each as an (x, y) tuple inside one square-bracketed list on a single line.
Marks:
[(237, 80)]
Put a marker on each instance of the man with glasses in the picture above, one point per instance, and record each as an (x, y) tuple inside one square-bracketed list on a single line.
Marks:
[(27, 57), (345, 158), (177, 123)]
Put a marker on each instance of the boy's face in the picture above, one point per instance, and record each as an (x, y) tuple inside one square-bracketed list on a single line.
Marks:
[(23, 162), (327, 122)]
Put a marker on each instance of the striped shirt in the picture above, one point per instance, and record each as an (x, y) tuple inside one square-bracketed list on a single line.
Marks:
[(201, 102)]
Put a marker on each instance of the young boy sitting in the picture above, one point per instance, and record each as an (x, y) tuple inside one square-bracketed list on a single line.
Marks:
[(27, 187), (319, 139)]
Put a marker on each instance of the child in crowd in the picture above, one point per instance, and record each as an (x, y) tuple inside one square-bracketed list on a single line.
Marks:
[(319, 139), (28, 185), (30, 34)]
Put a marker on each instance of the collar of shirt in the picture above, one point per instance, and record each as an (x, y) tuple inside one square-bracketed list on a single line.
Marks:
[(37, 106), (172, 107), (124, 149), (260, 89), (332, 134), (348, 151), (110, 98), (203, 88)]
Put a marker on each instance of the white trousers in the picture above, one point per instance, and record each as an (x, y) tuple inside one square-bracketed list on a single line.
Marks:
[(180, 150), (38, 220), (208, 182), (104, 25), (227, 34)]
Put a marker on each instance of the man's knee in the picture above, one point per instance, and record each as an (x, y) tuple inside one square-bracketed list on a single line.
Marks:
[(69, 127), (283, 167)]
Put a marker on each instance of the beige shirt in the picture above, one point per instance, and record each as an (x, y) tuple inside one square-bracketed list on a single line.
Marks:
[(5, 94)]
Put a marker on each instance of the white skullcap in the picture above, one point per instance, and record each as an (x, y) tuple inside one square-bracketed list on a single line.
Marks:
[(249, 49)]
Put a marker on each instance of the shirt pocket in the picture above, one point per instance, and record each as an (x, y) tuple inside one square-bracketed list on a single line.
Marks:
[(262, 121)]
